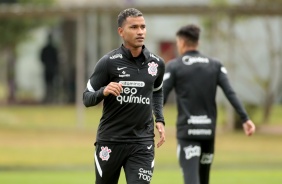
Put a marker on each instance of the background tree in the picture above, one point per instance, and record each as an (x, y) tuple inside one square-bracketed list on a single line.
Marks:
[(13, 31), (221, 31), (222, 39), (270, 85)]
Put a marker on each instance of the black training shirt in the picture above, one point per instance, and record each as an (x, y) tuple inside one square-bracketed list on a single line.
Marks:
[(195, 78), (129, 116)]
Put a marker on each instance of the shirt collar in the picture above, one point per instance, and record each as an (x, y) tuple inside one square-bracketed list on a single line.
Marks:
[(191, 52), (129, 55)]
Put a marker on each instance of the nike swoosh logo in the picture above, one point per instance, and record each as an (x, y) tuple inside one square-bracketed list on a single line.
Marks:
[(121, 68), (149, 147)]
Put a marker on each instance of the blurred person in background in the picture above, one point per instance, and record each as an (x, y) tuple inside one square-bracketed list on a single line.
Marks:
[(195, 78), (129, 80), (50, 61)]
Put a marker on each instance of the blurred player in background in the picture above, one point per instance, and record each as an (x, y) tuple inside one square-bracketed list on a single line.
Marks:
[(50, 60), (129, 79), (195, 78)]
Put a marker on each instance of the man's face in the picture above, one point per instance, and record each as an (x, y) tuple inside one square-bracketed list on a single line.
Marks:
[(133, 32)]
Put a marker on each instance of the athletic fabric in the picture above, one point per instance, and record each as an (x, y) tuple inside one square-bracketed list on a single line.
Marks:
[(195, 78), (195, 159), (127, 118), (136, 159)]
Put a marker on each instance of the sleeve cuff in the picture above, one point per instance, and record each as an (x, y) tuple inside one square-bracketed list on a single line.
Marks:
[(162, 121)]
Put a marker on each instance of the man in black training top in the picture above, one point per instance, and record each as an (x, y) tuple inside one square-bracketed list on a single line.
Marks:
[(195, 78), (129, 79)]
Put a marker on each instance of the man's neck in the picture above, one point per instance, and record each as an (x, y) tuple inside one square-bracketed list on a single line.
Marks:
[(188, 49), (135, 52)]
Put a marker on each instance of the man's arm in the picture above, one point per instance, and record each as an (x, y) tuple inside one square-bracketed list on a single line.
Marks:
[(158, 104), (94, 92), (168, 81), (248, 125), (224, 83), (158, 112)]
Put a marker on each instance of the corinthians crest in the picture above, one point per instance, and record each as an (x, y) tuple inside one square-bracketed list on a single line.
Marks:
[(153, 68), (105, 153)]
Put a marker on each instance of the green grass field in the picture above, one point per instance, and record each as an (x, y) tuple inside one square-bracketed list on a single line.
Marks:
[(45, 144)]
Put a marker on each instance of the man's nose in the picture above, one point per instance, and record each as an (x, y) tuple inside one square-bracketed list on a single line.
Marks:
[(140, 31)]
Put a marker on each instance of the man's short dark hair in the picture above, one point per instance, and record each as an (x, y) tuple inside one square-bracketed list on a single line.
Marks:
[(191, 33), (130, 12)]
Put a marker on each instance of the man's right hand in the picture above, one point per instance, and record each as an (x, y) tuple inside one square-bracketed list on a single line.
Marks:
[(113, 88)]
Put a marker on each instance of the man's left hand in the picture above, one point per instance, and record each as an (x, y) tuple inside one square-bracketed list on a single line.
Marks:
[(249, 128), (161, 130)]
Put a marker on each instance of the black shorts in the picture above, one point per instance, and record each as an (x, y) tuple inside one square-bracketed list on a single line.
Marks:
[(137, 161), (195, 159)]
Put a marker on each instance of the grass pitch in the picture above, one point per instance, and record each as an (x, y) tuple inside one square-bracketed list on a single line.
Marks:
[(43, 144)]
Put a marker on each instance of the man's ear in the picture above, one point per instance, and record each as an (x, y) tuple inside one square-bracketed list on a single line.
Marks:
[(120, 31), (182, 43)]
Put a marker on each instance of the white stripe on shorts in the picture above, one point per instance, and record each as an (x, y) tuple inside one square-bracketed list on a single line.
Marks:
[(178, 151), (153, 163), (98, 166)]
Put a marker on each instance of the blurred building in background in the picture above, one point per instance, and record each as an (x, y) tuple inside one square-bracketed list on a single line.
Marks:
[(248, 44)]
